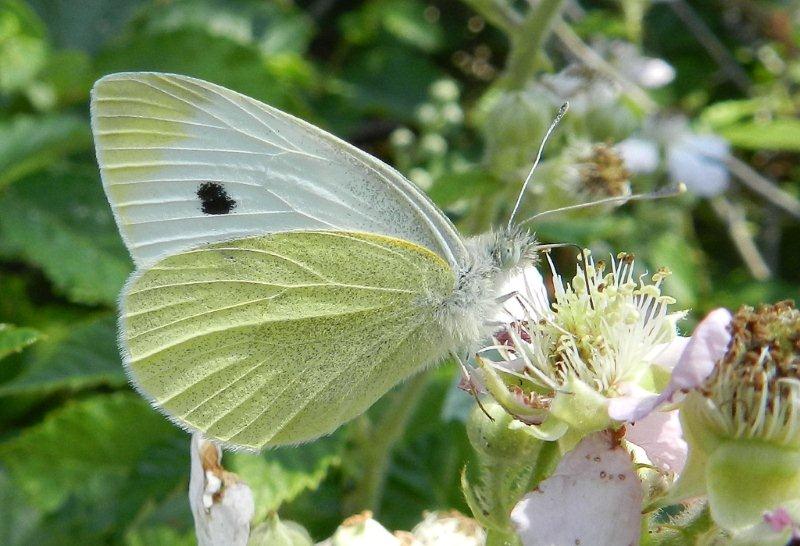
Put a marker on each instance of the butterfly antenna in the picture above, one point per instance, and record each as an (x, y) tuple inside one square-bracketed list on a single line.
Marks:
[(621, 200), (548, 248), (553, 125)]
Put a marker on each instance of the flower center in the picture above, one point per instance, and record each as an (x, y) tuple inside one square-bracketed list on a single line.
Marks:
[(755, 387)]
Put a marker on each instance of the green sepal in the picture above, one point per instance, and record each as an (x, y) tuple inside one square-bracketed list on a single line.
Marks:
[(550, 430), (699, 433), (508, 456), (689, 526), (581, 407), (500, 392), (746, 478)]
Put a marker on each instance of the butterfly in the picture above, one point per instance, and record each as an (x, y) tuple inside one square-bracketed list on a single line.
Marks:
[(285, 280)]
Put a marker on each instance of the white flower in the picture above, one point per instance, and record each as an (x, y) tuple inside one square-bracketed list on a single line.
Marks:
[(640, 155), (699, 162), (650, 72), (583, 88), (592, 344), (696, 160)]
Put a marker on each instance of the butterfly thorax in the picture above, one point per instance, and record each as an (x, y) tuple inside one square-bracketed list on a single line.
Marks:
[(470, 312)]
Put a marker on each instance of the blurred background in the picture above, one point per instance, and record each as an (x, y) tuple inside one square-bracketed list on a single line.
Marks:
[(457, 95)]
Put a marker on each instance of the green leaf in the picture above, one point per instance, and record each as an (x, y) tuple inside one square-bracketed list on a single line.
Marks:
[(724, 113), (454, 186), (780, 134), (23, 51), (280, 475), (235, 65), (30, 144), (61, 222), (87, 449), (160, 536), (670, 250), (96, 22), (397, 96), (274, 28), (404, 20), (17, 519), (86, 356), (13, 339)]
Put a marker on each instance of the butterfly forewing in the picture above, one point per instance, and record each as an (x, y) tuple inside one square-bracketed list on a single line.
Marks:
[(186, 162), (281, 338)]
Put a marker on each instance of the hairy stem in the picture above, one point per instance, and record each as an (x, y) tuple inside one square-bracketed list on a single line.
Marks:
[(376, 452), (528, 40)]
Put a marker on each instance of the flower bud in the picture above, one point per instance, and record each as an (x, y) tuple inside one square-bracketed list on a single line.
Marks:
[(513, 127), (448, 529), (361, 530), (444, 90), (498, 437), (275, 532)]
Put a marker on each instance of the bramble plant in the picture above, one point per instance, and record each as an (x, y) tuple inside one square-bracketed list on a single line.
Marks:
[(640, 383)]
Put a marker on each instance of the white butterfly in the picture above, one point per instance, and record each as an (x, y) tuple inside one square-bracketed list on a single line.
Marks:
[(285, 279)]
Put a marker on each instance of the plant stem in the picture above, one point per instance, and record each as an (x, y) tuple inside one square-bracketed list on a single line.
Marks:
[(376, 453), (498, 13), (593, 60), (740, 235), (528, 40)]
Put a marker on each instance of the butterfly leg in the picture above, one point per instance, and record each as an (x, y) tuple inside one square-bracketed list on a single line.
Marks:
[(466, 379)]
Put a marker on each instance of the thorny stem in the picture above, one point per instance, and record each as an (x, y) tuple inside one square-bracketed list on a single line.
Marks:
[(528, 40), (376, 452)]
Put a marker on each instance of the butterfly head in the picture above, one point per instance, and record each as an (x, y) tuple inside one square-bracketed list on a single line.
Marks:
[(512, 248)]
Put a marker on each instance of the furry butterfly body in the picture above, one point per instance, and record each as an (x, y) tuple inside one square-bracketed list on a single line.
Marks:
[(285, 279)]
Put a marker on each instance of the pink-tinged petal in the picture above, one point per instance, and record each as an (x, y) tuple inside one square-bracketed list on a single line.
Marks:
[(660, 435), (593, 497), (708, 344), (634, 403), (778, 520), (667, 355), (632, 409)]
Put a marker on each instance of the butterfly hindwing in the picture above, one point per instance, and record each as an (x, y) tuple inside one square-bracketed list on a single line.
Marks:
[(186, 162), (281, 338)]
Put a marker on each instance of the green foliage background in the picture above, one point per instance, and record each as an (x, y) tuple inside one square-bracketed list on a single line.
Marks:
[(84, 460)]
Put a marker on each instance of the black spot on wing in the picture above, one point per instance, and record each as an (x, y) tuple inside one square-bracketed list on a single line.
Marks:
[(214, 199)]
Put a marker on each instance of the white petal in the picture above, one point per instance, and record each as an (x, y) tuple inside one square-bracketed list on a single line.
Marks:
[(698, 162), (708, 344), (660, 435), (223, 520), (593, 497), (635, 405), (528, 284), (667, 355), (640, 156), (655, 72)]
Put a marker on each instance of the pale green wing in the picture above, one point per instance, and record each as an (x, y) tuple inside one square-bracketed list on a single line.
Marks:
[(281, 338)]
